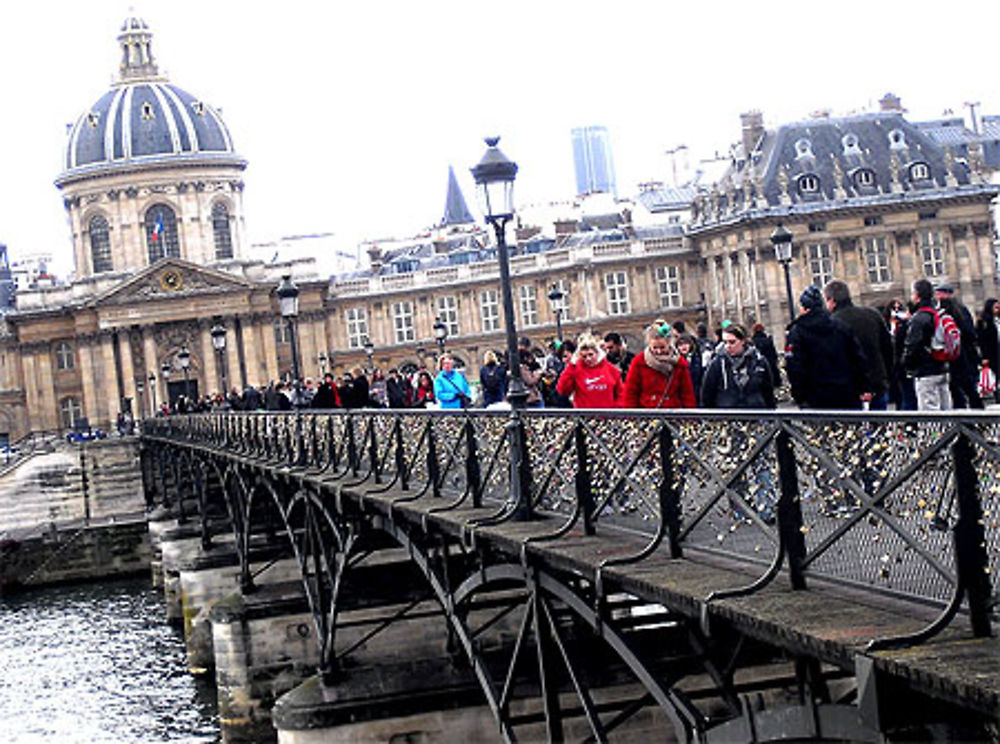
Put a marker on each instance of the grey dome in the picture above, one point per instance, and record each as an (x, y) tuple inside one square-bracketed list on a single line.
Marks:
[(144, 119)]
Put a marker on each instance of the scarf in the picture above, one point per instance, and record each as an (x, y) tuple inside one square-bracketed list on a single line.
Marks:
[(741, 367), (662, 363)]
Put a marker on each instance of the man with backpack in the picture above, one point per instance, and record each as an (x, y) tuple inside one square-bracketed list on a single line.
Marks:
[(931, 338)]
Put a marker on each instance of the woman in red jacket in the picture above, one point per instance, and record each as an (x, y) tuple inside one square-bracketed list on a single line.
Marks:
[(590, 379), (659, 377)]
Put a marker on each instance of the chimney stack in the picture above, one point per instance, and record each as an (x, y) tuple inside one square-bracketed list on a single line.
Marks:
[(890, 102), (753, 130)]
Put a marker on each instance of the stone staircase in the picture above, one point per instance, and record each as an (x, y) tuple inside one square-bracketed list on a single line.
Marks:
[(57, 489)]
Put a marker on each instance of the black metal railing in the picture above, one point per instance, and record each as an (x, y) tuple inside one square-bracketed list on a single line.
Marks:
[(903, 504)]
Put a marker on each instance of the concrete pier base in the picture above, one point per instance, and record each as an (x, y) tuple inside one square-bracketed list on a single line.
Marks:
[(173, 552), (166, 530), (264, 645), (205, 577)]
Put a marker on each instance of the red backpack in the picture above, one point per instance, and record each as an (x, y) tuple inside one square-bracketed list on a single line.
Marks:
[(946, 341)]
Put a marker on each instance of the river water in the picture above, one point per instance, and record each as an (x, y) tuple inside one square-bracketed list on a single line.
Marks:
[(98, 663)]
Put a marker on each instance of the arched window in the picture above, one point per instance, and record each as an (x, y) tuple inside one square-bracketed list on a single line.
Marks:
[(71, 412), (100, 244), (161, 233), (221, 231), (64, 356)]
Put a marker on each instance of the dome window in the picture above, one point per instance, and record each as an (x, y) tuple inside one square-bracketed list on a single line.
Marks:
[(198, 107), (222, 232), (93, 119), (161, 233), (919, 172), (897, 140), (100, 244), (147, 111), (865, 178), (808, 183)]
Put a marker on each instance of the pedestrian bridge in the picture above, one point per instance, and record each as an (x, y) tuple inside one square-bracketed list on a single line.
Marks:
[(591, 568)]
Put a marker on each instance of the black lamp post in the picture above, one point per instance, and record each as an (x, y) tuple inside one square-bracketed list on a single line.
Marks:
[(218, 333), (184, 359), (782, 241), (440, 333), (152, 392), (288, 299), (369, 348), (556, 296), (322, 363), (140, 386), (494, 175)]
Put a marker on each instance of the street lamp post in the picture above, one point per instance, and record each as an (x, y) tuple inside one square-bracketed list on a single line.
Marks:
[(322, 363), (152, 392), (369, 348), (494, 175), (218, 333), (556, 296), (140, 386), (288, 299), (781, 239), (440, 334), (184, 359), (165, 369)]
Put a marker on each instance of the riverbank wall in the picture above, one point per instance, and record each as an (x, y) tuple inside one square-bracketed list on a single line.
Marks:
[(73, 512)]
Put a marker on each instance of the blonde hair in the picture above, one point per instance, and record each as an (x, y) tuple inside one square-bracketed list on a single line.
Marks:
[(587, 341), (441, 359), (490, 357)]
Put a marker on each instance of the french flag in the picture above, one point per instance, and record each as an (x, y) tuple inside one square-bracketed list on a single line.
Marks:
[(157, 229)]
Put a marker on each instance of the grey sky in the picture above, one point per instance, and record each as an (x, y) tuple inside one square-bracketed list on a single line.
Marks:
[(350, 113)]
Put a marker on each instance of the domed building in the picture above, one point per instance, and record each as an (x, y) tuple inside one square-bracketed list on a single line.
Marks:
[(153, 189), (150, 173)]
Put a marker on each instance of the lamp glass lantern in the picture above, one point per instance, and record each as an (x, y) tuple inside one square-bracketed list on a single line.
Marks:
[(494, 175), (288, 297), (440, 330), (555, 297), (218, 333), (369, 347), (184, 358), (781, 239), (165, 369)]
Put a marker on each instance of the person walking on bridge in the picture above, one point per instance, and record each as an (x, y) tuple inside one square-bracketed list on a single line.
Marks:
[(659, 377), (590, 379), (740, 377), (451, 389)]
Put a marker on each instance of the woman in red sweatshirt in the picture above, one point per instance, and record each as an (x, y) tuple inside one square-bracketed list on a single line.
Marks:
[(590, 379), (659, 377)]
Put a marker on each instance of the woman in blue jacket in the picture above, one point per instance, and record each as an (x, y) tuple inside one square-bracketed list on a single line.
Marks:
[(451, 389)]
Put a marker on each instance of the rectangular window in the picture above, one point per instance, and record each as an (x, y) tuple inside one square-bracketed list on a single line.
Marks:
[(817, 227), (820, 263), (447, 311), (489, 308), (402, 322), (529, 305), (932, 252), (877, 260), (668, 282), (356, 320), (617, 286), (872, 221), (282, 332)]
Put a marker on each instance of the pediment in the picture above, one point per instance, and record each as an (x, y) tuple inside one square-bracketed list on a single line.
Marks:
[(169, 279)]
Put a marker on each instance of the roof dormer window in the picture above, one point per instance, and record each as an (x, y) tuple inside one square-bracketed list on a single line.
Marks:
[(198, 107), (93, 119), (897, 140), (864, 178), (808, 183), (803, 149), (919, 172), (147, 111), (850, 144)]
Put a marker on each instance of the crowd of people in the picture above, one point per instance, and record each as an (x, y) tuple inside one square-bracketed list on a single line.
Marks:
[(927, 353)]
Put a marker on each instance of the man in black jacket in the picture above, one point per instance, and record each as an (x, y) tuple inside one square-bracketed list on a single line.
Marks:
[(930, 376), (872, 334), (823, 360), (964, 371), (398, 390)]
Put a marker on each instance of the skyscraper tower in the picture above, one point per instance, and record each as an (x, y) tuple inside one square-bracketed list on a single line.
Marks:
[(595, 169)]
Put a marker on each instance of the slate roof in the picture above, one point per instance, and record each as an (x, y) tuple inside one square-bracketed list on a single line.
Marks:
[(666, 198)]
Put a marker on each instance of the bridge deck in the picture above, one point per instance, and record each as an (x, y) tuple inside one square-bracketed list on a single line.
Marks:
[(830, 623)]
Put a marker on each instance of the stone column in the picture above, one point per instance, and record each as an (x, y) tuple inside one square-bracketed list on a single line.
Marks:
[(109, 375), (308, 365), (85, 354), (251, 351), (152, 364), (31, 392), (210, 372), (128, 368), (265, 329), (233, 378)]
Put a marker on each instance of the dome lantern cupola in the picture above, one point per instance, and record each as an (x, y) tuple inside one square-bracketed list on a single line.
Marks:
[(136, 41)]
